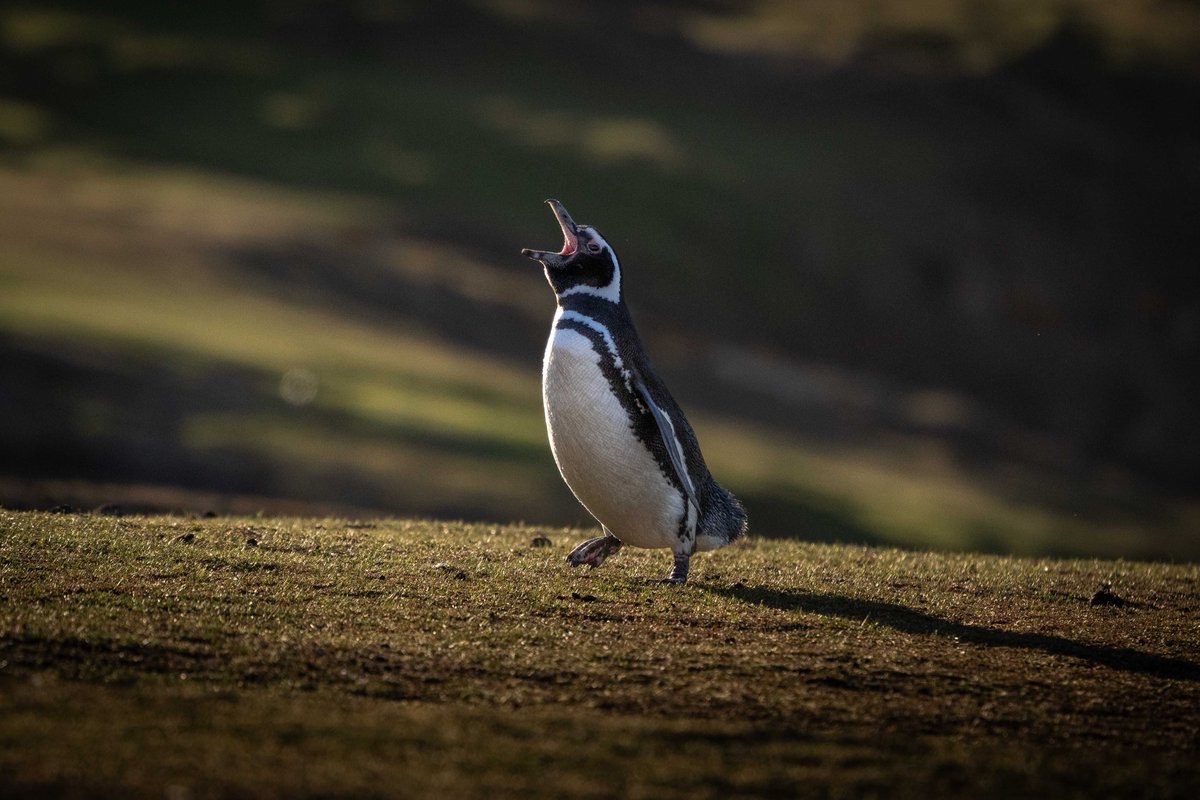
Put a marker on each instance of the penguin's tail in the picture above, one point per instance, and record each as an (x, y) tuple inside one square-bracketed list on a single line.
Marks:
[(724, 518)]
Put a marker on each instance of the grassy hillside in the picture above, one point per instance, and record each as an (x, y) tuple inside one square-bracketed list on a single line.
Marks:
[(147, 341), (241, 656), (920, 273)]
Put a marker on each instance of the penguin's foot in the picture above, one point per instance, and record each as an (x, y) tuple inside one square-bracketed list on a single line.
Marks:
[(680, 570), (594, 551)]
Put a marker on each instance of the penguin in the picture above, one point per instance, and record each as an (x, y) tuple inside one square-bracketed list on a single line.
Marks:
[(621, 442)]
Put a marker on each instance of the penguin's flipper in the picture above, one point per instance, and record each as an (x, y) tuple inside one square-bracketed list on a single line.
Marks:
[(670, 441)]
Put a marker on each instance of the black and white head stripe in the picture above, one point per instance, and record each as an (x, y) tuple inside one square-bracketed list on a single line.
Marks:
[(585, 267), (595, 245)]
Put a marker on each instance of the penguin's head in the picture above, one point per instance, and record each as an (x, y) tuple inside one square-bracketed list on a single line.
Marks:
[(587, 264)]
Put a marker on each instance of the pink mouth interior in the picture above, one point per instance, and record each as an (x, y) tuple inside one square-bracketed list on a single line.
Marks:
[(569, 246)]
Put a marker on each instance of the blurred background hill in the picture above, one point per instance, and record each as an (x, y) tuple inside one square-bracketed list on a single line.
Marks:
[(922, 273)]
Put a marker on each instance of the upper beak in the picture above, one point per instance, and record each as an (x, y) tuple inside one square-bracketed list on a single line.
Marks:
[(570, 238)]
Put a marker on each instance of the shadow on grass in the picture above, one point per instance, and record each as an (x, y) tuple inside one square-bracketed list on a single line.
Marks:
[(128, 415), (907, 620)]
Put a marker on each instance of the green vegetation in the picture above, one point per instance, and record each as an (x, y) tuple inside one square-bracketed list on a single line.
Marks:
[(129, 291), (922, 274), (203, 206), (301, 658)]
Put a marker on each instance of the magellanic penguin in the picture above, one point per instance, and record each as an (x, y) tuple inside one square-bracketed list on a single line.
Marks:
[(620, 440)]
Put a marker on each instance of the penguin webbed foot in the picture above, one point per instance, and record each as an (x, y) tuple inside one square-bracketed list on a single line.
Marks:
[(593, 552), (679, 571)]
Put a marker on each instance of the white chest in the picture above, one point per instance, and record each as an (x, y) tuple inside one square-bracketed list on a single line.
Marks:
[(610, 472)]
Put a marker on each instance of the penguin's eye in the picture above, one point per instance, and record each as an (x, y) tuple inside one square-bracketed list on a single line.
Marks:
[(593, 247)]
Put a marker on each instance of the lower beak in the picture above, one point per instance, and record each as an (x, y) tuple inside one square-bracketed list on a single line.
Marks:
[(570, 238)]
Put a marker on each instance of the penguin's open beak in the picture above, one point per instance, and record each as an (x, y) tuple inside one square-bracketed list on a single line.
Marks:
[(570, 239)]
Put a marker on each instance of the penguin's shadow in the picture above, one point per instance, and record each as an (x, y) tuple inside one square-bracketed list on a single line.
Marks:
[(908, 620)]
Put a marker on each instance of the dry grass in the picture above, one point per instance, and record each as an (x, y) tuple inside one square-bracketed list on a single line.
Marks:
[(288, 657)]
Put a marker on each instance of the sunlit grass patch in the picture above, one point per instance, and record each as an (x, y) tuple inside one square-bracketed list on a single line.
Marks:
[(311, 657)]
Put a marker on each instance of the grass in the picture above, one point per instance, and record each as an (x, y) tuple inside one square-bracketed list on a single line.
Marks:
[(131, 288), (196, 205), (275, 657)]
